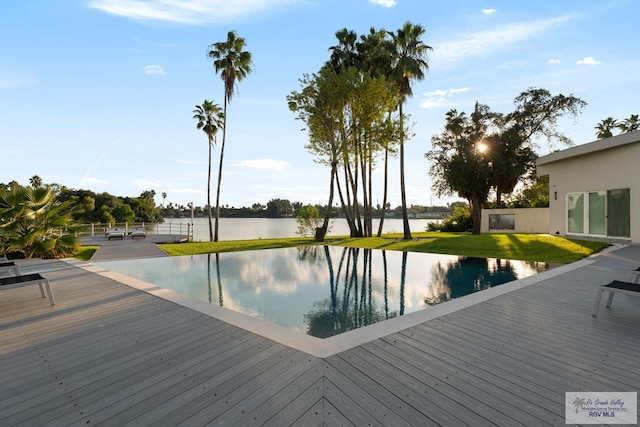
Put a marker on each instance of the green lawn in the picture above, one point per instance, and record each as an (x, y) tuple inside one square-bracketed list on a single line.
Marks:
[(527, 247)]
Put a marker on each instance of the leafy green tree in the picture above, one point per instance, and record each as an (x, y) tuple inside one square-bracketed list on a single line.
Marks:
[(512, 149), (124, 213), (534, 194), (279, 208), (210, 119), (234, 64), (457, 162), (34, 223), (605, 128), (409, 63), (309, 220)]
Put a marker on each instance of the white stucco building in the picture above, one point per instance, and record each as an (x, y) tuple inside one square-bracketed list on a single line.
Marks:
[(594, 189)]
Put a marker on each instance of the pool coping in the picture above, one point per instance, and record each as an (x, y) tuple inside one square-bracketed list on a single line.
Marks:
[(325, 347)]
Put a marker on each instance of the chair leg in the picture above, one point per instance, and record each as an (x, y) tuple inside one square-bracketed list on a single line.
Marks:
[(41, 289), (597, 304), (610, 299), (49, 293)]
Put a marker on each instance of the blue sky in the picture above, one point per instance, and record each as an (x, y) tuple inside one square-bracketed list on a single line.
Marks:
[(99, 94)]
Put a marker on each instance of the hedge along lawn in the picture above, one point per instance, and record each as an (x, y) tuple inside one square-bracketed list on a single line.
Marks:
[(526, 247)]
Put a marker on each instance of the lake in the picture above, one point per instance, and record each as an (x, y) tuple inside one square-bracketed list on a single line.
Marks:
[(265, 228)]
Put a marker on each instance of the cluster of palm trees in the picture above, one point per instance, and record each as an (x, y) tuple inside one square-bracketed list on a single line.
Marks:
[(35, 223), (234, 64), (605, 128), (353, 108)]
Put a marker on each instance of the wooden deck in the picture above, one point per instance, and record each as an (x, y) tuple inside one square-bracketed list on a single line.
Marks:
[(108, 354)]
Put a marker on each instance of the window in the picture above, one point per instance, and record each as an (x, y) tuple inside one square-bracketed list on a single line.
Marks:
[(502, 222)]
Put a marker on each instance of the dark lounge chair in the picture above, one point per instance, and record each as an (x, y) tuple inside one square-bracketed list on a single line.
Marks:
[(6, 266), (28, 279), (627, 288)]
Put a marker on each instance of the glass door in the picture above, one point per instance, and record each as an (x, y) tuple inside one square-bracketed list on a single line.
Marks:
[(619, 213), (597, 213)]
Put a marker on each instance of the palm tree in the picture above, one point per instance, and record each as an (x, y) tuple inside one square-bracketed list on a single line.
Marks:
[(630, 124), (210, 119), (34, 223), (164, 196), (410, 63), (35, 181), (234, 64), (605, 128)]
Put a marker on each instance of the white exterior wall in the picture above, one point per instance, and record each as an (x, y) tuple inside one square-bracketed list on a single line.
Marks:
[(613, 168), (527, 220)]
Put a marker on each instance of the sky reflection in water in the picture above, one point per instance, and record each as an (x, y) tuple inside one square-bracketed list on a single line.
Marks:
[(322, 290)]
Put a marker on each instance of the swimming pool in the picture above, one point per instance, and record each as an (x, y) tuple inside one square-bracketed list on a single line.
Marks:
[(324, 290)]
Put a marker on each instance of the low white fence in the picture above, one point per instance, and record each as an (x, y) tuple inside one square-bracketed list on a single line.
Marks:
[(164, 228)]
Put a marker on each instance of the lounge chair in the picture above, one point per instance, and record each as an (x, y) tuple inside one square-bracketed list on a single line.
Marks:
[(114, 233), (8, 266), (627, 288), (28, 279), (138, 232)]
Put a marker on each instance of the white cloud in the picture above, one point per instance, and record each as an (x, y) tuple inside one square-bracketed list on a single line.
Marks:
[(16, 80), (589, 60), (153, 69), (488, 11), (554, 61), (441, 98), (486, 43), (263, 164), (186, 11), (93, 180), (385, 3), (144, 183)]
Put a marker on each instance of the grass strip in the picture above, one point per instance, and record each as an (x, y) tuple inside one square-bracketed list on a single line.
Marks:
[(526, 247)]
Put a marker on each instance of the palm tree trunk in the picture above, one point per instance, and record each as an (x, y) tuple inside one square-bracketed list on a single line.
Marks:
[(209, 191), (224, 137), (403, 193), (386, 183)]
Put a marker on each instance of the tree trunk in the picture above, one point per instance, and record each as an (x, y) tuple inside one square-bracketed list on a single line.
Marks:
[(403, 193), (321, 232), (224, 137), (476, 215), (209, 192), (384, 195)]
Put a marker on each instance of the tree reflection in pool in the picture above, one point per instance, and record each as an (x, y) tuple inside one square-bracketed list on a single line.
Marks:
[(325, 290)]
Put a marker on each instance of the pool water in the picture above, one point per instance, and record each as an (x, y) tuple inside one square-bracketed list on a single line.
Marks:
[(325, 290)]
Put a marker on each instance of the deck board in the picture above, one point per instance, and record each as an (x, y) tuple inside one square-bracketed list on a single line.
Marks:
[(109, 354)]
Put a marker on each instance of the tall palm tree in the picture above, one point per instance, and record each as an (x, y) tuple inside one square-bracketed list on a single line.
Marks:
[(605, 128), (630, 124), (210, 119), (234, 64), (164, 196), (410, 63)]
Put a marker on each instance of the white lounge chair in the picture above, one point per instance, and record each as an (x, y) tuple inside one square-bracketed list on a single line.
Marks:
[(114, 233), (138, 232)]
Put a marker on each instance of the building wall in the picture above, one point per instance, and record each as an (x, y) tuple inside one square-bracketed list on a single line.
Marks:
[(527, 220), (610, 169)]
